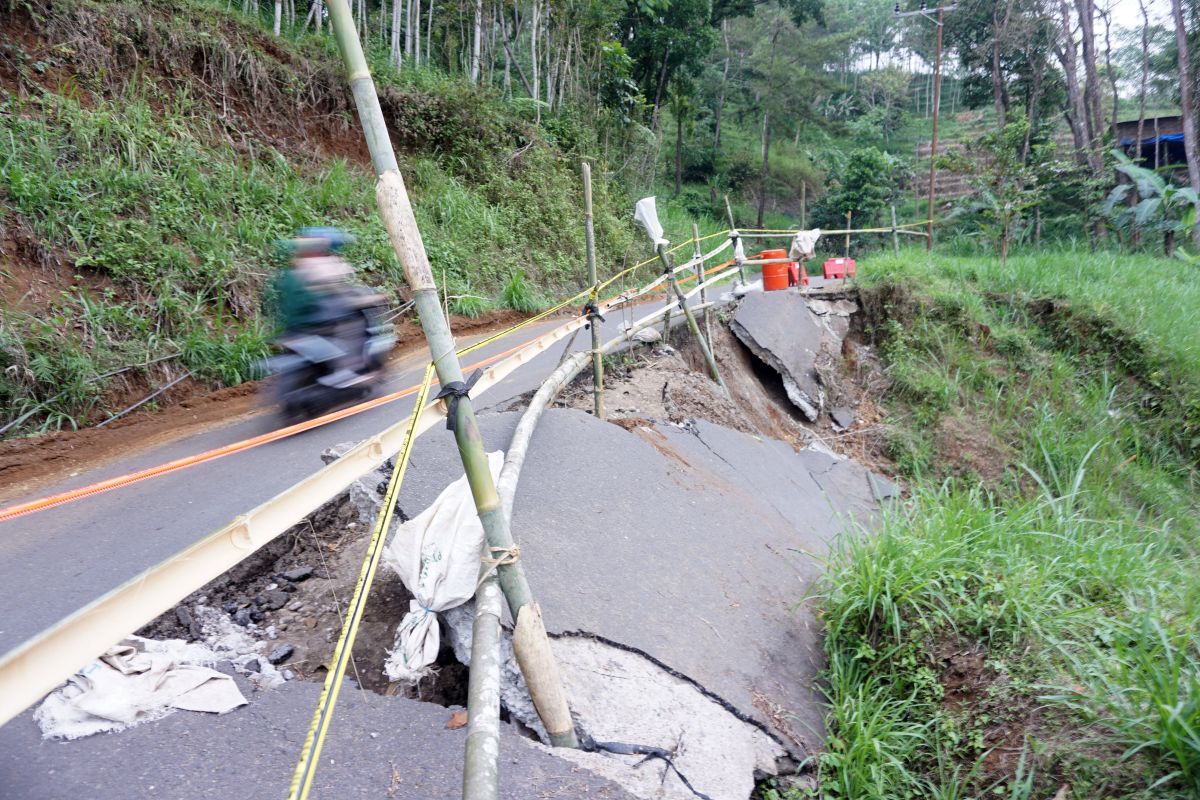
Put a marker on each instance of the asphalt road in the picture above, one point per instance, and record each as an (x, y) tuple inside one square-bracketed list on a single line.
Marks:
[(55, 561)]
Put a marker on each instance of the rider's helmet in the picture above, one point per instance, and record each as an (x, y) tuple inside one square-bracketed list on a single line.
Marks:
[(319, 241)]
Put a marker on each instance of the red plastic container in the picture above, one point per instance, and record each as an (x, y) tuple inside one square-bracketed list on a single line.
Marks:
[(839, 268), (797, 276), (774, 276)]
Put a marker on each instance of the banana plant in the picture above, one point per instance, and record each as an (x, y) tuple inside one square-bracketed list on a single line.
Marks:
[(1163, 208)]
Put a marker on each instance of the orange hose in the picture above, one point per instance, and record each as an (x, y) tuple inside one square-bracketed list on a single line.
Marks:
[(52, 501)]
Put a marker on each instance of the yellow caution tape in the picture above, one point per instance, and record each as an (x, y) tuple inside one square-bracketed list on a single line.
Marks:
[(311, 753)]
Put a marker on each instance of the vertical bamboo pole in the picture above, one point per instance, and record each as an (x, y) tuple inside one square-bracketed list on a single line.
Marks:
[(691, 320), (803, 204), (733, 231), (933, 141), (895, 236), (589, 238), (396, 211), (697, 254), (849, 216)]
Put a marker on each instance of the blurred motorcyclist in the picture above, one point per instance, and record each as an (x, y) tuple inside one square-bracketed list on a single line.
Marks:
[(333, 335)]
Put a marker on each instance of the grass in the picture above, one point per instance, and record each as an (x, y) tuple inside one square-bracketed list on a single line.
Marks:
[(1027, 619)]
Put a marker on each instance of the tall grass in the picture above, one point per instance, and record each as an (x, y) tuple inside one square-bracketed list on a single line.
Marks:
[(1071, 571)]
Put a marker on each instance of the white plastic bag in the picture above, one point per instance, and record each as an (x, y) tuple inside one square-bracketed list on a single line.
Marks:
[(804, 244), (437, 556), (646, 212)]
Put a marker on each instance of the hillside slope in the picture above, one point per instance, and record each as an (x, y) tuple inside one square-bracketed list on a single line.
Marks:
[(153, 151)]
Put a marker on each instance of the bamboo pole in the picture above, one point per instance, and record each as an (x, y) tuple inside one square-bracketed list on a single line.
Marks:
[(849, 216), (396, 211), (895, 234), (589, 237), (733, 234), (697, 256), (691, 320)]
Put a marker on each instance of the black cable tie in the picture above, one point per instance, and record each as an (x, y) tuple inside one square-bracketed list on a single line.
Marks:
[(592, 312), (456, 390)]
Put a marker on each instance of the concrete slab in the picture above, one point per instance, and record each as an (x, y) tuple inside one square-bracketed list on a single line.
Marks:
[(690, 546), (378, 747), (779, 328)]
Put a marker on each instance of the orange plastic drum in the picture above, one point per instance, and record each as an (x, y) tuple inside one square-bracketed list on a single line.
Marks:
[(774, 276)]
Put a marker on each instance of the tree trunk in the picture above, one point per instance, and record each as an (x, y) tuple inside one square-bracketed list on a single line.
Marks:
[(278, 16), (1035, 97), (662, 85), (414, 7), (999, 31), (1188, 109), (475, 46), (678, 154), (1091, 88), (1145, 73), (533, 37), (1077, 113), (766, 167), (724, 83), (397, 57), (429, 33), (509, 57), (1112, 75)]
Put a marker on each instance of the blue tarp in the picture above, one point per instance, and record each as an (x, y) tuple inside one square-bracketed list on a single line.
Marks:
[(1166, 137)]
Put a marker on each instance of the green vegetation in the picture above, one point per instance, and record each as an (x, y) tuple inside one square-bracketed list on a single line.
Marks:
[(157, 214), (1027, 619)]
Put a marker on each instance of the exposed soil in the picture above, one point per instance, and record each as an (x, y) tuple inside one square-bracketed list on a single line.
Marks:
[(293, 594), (194, 408), (657, 382), (971, 450)]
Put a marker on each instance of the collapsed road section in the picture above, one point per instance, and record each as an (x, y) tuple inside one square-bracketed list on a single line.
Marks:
[(670, 547)]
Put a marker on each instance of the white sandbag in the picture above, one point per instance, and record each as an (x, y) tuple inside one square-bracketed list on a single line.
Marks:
[(437, 556), (127, 686), (646, 213), (804, 244)]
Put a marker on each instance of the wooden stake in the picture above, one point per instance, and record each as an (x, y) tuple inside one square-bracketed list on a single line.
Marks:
[(849, 215), (732, 228), (697, 256), (895, 236), (589, 238), (691, 320)]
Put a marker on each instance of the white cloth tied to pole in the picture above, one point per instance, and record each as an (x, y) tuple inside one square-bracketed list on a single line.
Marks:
[(739, 252), (127, 686), (437, 556), (804, 244), (646, 213)]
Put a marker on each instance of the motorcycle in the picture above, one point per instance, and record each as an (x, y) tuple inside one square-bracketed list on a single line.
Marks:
[(337, 361)]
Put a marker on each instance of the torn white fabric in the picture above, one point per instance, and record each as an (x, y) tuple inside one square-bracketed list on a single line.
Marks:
[(646, 213), (739, 252), (436, 554), (137, 681), (804, 244)]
